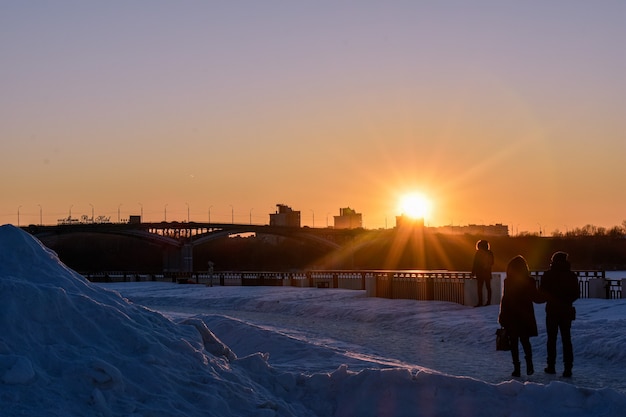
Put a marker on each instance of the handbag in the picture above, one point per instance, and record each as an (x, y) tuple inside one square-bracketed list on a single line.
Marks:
[(502, 339)]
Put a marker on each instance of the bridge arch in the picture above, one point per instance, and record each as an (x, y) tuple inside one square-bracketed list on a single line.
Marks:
[(178, 240)]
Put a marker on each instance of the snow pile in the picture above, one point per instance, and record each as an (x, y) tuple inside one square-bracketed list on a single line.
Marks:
[(69, 347)]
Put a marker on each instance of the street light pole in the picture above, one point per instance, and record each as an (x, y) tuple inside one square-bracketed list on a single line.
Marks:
[(18, 216), (141, 211), (210, 214), (91, 212), (313, 218), (165, 213), (251, 215), (232, 214), (187, 212), (119, 220)]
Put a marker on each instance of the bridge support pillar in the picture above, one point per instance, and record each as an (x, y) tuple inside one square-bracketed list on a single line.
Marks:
[(187, 258), (173, 260)]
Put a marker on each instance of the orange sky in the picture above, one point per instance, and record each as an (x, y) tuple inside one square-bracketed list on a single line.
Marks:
[(501, 113)]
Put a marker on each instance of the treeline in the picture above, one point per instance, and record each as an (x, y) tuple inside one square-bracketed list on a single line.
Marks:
[(388, 249), (591, 230), (456, 253)]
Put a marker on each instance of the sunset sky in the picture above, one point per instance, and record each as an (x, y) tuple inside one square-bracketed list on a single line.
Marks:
[(498, 111)]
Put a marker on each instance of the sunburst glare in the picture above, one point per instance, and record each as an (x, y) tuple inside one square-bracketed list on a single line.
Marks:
[(415, 205)]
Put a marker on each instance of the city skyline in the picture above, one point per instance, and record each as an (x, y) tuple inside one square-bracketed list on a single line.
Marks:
[(499, 113), (233, 217)]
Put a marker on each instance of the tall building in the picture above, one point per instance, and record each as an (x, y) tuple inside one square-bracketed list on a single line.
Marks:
[(348, 219), (403, 221), (285, 216)]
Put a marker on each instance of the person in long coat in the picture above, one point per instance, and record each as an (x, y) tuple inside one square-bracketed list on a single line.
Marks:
[(481, 269), (559, 287), (517, 313)]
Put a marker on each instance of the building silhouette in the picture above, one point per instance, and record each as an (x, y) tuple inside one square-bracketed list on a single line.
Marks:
[(348, 219), (285, 216), (403, 221), (497, 229)]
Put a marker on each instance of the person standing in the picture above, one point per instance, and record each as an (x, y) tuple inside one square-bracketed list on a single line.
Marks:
[(517, 313), (481, 269), (559, 287)]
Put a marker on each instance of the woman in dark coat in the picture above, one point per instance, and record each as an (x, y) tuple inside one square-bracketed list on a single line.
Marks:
[(517, 314)]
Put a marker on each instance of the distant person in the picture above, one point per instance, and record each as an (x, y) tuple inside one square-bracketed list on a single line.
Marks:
[(481, 269), (517, 314), (559, 287)]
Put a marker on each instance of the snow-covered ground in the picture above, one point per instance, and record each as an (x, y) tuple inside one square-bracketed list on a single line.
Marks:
[(72, 348)]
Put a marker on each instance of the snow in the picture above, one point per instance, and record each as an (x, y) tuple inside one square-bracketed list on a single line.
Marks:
[(69, 347)]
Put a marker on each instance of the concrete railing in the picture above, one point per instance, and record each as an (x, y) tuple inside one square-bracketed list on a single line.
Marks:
[(457, 287)]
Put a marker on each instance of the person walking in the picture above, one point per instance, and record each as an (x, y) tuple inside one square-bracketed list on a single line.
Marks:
[(559, 287), (517, 313), (481, 269)]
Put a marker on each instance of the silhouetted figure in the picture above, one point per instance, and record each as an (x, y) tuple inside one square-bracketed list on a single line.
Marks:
[(517, 314), (559, 287), (481, 269)]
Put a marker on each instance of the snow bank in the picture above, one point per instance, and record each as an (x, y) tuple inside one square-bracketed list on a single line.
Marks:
[(69, 347)]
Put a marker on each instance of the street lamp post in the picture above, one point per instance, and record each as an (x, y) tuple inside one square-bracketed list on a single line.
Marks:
[(18, 216), (141, 211), (187, 212), (165, 213), (69, 218), (313, 213), (210, 214), (91, 212), (119, 220), (232, 214), (251, 215)]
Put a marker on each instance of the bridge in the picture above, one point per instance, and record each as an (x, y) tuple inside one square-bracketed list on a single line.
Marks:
[(182, 237), (179, 234)]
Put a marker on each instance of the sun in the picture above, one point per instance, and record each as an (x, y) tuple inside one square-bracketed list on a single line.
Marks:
[(415, 205)]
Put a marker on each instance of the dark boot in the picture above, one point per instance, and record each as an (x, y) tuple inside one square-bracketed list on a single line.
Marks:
[(567, 372), (530, 369), (550, 370), (516, 369)]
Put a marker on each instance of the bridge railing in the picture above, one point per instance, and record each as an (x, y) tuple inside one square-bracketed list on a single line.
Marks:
[(592, 284), (458, 287)]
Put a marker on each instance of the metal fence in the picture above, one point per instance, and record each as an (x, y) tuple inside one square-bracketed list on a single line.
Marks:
[(420, 285), (396, 284), (612, 288)]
